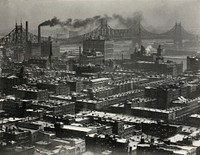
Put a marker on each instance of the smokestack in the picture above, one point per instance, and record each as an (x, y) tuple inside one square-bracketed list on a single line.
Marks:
[(26, 31), (39, 34), (80, 53), (50, 52), (80, 50)]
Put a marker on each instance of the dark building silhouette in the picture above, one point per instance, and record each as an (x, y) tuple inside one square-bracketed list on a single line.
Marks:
[(193, 63), (99, 143)]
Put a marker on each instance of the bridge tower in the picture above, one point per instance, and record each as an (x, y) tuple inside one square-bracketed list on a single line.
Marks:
[(178, 40), (136, 35), (139, 40), (104, 29), (18, 43), (18, 33)]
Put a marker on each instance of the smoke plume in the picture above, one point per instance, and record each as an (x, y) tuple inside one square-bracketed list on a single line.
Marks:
[(54, 21), (72, 23), (96, 20), (129, 21)]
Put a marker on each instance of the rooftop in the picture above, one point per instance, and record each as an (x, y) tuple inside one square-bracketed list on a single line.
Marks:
[(77, 128), (118, 117), (52, 103), (154, 110), (100, 80), (195, 116)]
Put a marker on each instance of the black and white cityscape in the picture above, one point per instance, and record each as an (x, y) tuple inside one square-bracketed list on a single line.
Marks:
[(100, 77)]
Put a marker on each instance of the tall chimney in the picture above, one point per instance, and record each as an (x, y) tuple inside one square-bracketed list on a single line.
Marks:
[(26, 31), (39, 34), (80, 52), (50, 52)]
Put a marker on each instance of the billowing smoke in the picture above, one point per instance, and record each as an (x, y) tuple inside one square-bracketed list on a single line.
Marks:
[(129, 21), (149, 50), (54, 21), (78, 23), (72, 23), (96, 20)]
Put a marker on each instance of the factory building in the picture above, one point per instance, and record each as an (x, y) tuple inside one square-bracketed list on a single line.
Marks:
[(105, 47)]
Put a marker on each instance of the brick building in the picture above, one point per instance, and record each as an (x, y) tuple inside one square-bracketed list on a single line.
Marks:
[(55, 107), (166, 115), (160, 129), (166, 93), (19, 136), (75, 85), (72, 131), (16, 107), (27, 92), (55, 87), (7, 82), (99, 143)]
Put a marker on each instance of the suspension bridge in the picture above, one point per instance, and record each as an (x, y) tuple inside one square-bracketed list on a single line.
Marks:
[(136, 33)]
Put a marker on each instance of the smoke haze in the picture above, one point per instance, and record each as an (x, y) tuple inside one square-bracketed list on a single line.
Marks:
[(155, 14), (116, 21)]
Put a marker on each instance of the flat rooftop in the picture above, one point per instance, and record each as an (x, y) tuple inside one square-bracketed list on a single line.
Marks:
[(118, 117), (77, 128), (153, 110), (100, 79), (195, 116)]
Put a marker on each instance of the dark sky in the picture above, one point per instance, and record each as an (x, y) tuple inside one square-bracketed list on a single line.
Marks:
[(157, 13)]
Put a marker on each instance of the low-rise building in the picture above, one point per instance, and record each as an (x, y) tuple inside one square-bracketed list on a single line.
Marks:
[(27, 92), (99, 143), (72, 131), (167, 115), (55, 107), (17, 135), (55, 87), (16, 107), (160, 129), (96, 104), (7, 82)]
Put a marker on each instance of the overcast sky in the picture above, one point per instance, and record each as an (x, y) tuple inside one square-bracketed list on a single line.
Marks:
[(158, 13)]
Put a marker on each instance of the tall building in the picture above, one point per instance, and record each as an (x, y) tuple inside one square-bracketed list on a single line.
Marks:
[(48, 46), (193, 63), (92, 57), (103, 46)]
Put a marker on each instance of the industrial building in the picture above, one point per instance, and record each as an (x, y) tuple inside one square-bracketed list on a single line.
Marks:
[(103, 46)]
